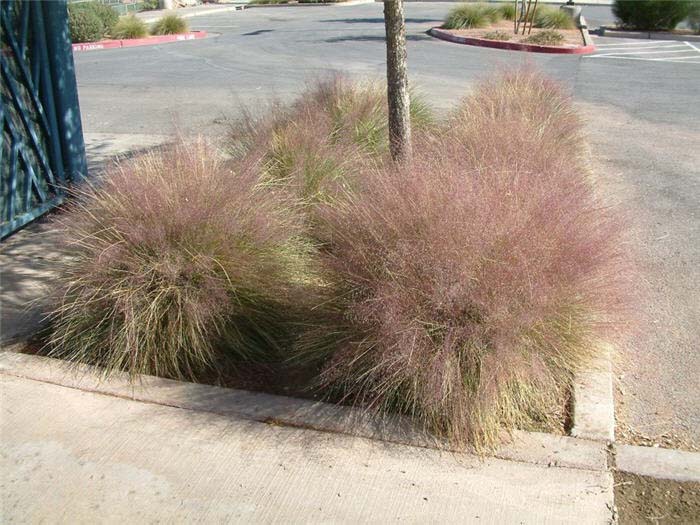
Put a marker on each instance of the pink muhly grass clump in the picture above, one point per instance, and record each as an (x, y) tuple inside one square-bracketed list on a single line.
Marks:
[(467, 291), (178, 263), (518, 119)]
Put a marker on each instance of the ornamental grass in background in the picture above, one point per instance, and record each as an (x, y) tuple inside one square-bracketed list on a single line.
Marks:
[(473, 16), (469, 287), (508, 11), (170, 24), (547, 17), (128, 27), (179, 264)]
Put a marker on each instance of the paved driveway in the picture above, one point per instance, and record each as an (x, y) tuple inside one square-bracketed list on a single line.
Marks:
[(643, 119)]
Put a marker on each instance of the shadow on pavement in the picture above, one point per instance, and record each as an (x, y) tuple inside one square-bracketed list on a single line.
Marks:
[(378, 20), (373, 38)]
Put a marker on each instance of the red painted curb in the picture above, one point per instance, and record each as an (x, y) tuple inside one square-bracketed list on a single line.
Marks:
[(133, 42), (513, 46)]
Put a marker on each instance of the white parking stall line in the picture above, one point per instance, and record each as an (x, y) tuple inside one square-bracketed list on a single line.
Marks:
[(684, 50), (643, 43), (637, 49), (652, 59), (685, 58), (658, 51), (613, 48)]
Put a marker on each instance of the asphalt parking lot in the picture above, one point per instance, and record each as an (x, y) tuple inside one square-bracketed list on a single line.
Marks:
[(648, 51), (640, 100)]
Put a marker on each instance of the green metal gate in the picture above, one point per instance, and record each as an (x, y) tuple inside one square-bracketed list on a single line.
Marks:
[(41, 144)]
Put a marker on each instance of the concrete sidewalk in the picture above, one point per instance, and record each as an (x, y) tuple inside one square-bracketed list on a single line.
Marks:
[(72, 456)]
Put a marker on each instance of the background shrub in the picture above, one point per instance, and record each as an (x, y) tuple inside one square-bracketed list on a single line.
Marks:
[(469, 16), (84, 24), (467, 292), (547, 37), (105, 13), (552, 18), (130, 27), (694, 19), (178, 264), (653, 15), (170, 25)]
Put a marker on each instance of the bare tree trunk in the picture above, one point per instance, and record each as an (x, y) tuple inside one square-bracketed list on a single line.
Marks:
[(397, 82)]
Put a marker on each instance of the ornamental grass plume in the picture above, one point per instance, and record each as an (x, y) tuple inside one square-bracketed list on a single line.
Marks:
[(179, 264), (547, 17), (518, 119), (473, 16), (171, 24), (468, 288), (317, 142)]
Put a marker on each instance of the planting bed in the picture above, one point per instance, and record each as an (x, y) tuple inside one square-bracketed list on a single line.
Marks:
[(640, 499), (572, 43), (304, 262)]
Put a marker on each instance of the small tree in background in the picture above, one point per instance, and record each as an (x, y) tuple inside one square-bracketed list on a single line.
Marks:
[(397, 82), (651, 15)]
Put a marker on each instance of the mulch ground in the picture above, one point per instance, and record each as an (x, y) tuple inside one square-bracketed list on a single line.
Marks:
[(647, 500)]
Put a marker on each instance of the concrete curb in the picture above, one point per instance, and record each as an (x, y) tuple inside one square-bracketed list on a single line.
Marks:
[(644, 35), (660, 463), (134, 42), (512, 46), (593, 403), (583, 27), (525, 447)]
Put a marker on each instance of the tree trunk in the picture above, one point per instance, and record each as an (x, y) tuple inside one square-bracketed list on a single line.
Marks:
[(397, 82)]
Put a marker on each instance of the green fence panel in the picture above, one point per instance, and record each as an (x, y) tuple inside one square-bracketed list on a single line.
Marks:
[(41, 143)]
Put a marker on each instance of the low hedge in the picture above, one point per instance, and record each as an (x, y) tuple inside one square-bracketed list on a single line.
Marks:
[(107, 16), (654, 15)]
